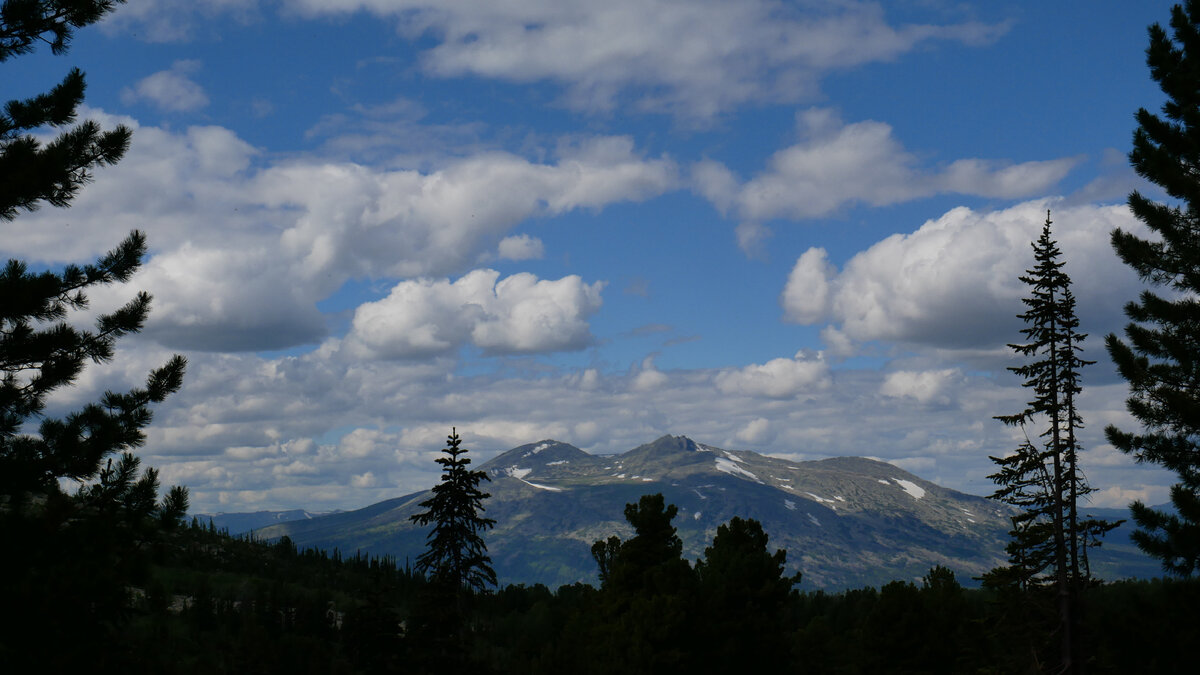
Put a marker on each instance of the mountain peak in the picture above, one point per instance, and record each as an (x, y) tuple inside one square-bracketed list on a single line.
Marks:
[(667, 444), (545, 452)]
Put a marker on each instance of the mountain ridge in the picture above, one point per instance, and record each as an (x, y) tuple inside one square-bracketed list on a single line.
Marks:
[(845, 522)]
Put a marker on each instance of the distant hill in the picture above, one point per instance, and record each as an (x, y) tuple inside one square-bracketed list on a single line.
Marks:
[(241, 523), (845, 522)]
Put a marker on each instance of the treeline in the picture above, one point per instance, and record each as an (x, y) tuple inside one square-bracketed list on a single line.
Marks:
[(211, 603)]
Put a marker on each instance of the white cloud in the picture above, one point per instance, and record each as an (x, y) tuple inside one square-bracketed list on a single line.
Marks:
[(517, 314), (241, 253), (361, 443), (221, 299), (520, 247), (171, 90), (777, 378), (924, 386), (648, 378), (691, 59), (836, 165), (805, 298), (756, 432), (953, 283)]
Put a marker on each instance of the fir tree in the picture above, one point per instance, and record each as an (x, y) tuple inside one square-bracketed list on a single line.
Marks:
[(1160, 355), (457, 555), (1049, 540)]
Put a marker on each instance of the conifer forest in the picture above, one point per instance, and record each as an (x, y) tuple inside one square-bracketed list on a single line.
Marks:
[(103, 569)]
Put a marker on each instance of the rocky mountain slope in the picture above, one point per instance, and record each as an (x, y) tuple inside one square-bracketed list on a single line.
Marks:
[(845, 522)]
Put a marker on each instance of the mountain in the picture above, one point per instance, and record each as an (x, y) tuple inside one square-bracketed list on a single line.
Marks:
[(845, 522), (241, 523)]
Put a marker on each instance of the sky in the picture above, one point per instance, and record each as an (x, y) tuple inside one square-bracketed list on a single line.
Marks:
[(788, 227)]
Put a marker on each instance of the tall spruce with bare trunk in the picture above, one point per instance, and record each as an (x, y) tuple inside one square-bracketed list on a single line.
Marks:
[(1050, 538)]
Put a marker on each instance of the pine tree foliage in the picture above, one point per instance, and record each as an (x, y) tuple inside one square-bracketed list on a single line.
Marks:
[(53, 172), (80, 552), (456, 554), (40, 350), (1160, 353)]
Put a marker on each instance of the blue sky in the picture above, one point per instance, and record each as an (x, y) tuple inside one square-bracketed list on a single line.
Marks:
[(789, 227)]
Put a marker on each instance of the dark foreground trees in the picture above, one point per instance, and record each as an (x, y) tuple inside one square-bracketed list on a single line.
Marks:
[(70, 557), (1160, 355), (658, 614)]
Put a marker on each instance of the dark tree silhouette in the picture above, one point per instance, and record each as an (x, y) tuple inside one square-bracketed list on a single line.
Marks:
[(79, 552), (457, 555), (744, 596), (39, 350), (53, 172), (1049, 540), (646, 616), (1160, 355)]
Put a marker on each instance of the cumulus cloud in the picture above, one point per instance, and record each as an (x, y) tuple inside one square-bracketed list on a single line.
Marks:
[(953, 283), (520, 247), (649, 378), (923, 386), (777, 378), (517, 314), (756, 432), (836, 165), (170, 90), (243, 251), (695, 60), (805, 297)]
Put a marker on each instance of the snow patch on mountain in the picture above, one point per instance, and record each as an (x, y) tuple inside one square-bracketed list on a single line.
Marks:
[(729, 467), (517, 473), (540, 487), (910, 487), (820, 499), (791, 505)]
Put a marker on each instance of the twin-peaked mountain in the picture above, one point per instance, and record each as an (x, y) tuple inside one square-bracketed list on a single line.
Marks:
[(845, 522)]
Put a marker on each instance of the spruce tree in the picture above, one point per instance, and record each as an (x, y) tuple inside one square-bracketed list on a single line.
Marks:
[(1049, 539), (456, 555), (1160, 354)]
